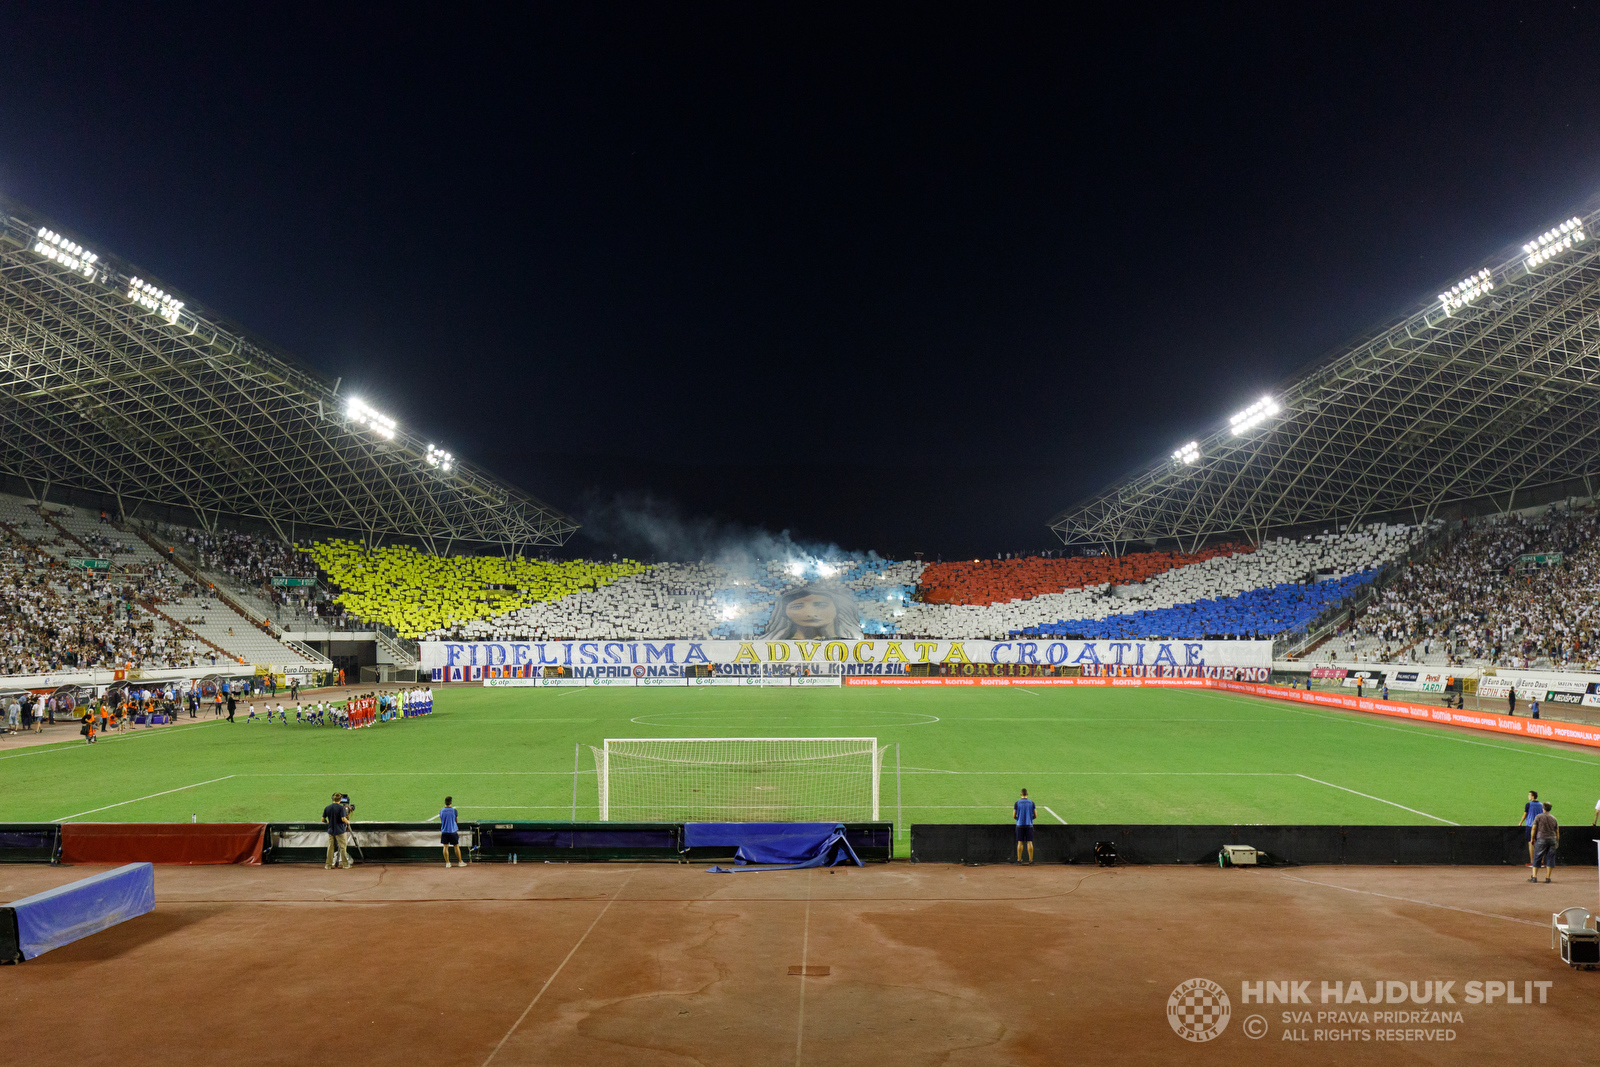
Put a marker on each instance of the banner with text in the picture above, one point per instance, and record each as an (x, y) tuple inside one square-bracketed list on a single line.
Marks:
[(469, 661)]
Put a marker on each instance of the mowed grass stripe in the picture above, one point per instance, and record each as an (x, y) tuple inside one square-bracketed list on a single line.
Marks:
[(1092, 755)]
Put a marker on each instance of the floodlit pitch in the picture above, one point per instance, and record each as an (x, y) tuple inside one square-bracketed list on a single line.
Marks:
[(1087, 755)]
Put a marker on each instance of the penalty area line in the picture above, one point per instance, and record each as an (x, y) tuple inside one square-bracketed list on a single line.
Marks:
[(136, 800), (1380, 800), (1441, 731), (1052, 811)]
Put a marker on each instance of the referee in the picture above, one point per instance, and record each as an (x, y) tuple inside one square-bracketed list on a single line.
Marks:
[(1022, 812)]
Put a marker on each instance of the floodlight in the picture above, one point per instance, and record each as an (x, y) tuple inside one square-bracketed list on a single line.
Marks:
[(438, 457), (1466, 291), (1552, 243), (150, 298), (377, 422), (1254, 415), (1188, 453), (69, 254)]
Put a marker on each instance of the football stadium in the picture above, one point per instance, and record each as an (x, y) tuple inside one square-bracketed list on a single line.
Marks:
[(491, 523), (1300, 672)]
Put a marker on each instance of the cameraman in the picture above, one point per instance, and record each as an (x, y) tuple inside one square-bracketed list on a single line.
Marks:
[(337, 818)]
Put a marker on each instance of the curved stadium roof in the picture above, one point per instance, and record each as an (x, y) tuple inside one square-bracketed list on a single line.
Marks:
[(112, 383), (1490, 390)]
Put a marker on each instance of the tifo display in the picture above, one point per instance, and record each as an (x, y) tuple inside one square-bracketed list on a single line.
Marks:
[(1275, 589)]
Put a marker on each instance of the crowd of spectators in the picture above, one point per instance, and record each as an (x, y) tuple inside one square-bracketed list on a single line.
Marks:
[(253, 559), (54, 618), (1481, 600)]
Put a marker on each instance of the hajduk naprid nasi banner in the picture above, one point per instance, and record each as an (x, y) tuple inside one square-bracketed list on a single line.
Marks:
[(867, 654)]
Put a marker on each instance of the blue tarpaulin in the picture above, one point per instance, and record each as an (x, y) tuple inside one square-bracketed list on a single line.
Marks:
[(62, 915), (776, 846)]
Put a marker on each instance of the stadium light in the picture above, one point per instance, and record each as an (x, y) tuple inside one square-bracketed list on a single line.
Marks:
[(1188, 453), (438, 457), (69, 254), (1466, 291), (1552, 243), (376, 421), (1254, 415), (149, 297)]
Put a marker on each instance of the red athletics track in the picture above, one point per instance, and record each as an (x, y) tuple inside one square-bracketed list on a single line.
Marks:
[(667, 965)]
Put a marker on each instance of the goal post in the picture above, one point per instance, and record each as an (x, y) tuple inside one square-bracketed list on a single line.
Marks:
[(739, 779)]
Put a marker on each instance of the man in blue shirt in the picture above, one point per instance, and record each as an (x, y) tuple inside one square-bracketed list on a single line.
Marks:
[(1022, 812), (1531, 811), (450, 832)]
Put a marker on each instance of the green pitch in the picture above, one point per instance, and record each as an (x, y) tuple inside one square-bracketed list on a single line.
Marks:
[(1086, 755)]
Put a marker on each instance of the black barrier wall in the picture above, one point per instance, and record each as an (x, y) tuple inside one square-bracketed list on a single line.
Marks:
[(30, 842), (1466, 845), (578, 842)]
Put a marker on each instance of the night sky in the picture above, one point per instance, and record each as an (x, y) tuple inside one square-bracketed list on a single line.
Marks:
[(911, 279)]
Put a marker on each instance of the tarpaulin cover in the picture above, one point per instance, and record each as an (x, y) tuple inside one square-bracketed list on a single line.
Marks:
[(778, 845), (61, 916), (178, 842)]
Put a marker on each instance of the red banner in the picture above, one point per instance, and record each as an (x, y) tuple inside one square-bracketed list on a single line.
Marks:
[(182, 842)]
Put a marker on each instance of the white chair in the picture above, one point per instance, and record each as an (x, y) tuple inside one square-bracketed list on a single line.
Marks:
[(1578, 941)]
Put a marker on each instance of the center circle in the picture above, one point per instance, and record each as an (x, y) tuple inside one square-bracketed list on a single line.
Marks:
[(728, 719)]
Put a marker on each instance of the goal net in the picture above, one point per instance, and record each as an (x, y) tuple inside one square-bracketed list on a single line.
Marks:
[(739, 779)]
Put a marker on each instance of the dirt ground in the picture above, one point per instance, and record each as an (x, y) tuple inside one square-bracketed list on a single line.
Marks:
[(908, 964)]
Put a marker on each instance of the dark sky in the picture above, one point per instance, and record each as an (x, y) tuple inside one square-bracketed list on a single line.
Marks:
[(910, 279)]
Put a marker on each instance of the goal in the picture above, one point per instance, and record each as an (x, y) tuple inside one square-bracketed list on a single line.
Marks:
[(739, 779)]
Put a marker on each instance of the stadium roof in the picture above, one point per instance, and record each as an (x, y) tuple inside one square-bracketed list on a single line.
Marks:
[(112, 382), (1489, 390)]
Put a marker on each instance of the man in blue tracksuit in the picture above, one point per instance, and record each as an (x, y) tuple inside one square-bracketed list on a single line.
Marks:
[(1022, 812), (450, 832)]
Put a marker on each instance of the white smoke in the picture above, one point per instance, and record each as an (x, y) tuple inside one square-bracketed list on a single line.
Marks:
[(638, 524)]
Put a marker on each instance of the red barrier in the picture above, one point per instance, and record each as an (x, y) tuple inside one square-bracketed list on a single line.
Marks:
[(1546, 729), (179, 842)]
